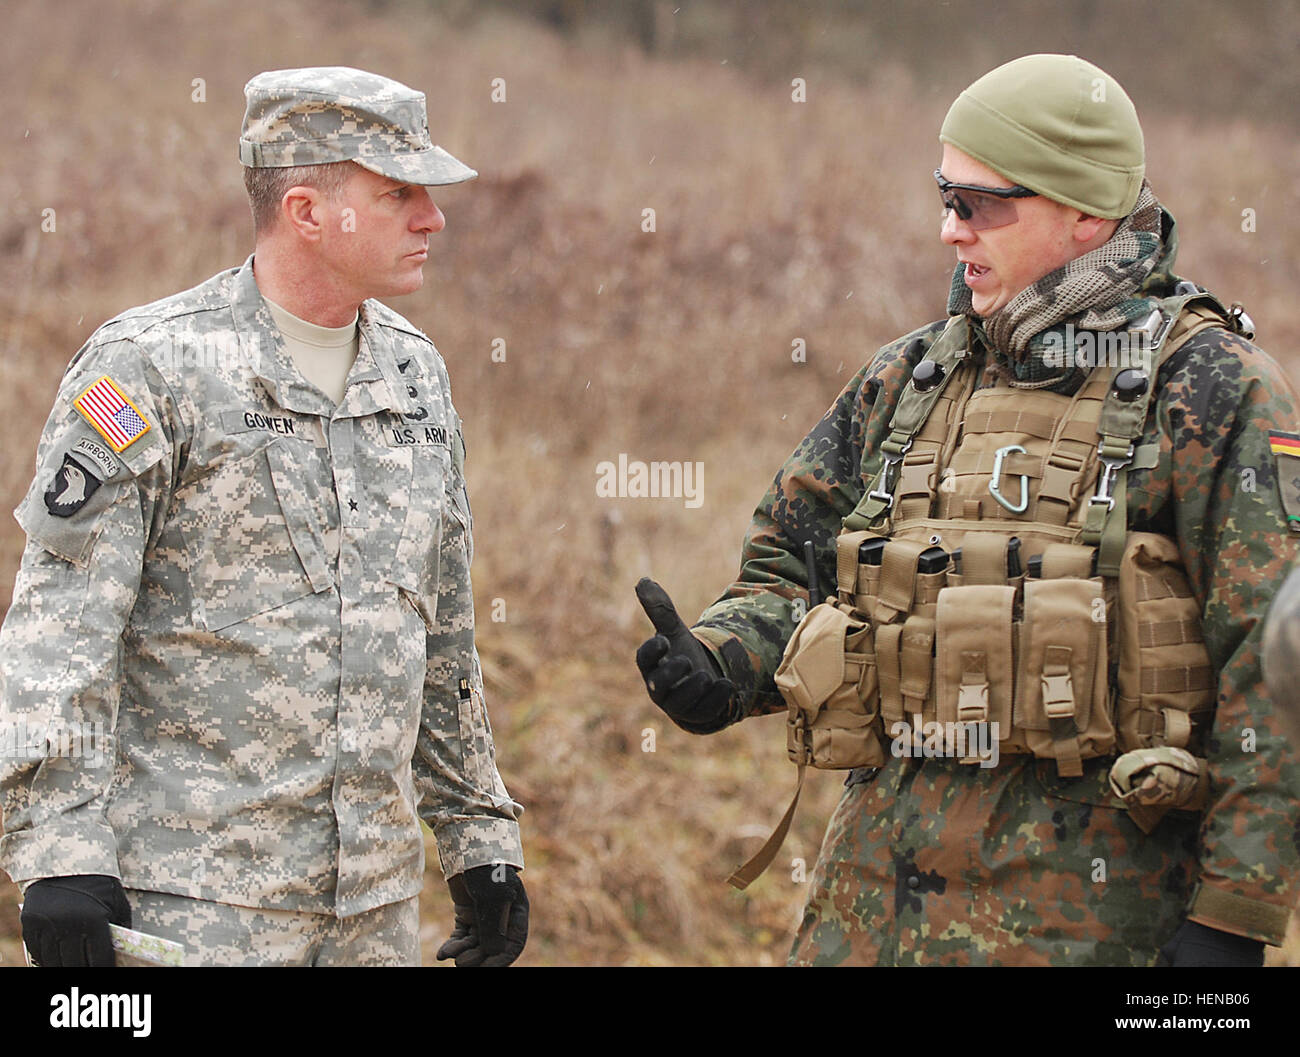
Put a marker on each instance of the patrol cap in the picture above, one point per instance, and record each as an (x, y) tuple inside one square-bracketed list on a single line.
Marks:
[(325, 114), (1058, 125)]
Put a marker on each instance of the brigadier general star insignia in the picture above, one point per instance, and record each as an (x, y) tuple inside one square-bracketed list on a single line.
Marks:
[(73, 484)]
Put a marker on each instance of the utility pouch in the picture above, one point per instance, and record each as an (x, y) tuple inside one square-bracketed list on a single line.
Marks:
[(974, 662), (1166, 682), (829, 681), (1152, 782), (1061, 689)]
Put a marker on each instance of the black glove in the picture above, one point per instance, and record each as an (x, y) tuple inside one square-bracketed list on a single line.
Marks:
[(65, 919), (680, 674), (491, 917), (1199, 945)]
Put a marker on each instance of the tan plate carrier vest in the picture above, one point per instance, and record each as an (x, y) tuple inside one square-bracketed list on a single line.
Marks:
[(1099, 652)]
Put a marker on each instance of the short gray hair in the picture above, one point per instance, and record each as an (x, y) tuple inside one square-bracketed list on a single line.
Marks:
[(267, 187)]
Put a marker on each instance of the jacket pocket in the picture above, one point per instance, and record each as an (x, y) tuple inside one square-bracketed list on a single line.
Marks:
[(478, 759), (416, 564), (252, 537)]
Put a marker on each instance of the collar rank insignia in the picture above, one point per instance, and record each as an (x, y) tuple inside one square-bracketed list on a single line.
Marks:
[(116, 419), (72, 486)]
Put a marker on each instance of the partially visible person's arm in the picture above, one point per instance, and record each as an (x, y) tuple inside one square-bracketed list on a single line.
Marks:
[(748, 627), (1220, 402), (89, 517), (464, 799)]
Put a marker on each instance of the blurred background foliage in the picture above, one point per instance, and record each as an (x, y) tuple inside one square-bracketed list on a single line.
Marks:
[(776, 221), (1246, 50)]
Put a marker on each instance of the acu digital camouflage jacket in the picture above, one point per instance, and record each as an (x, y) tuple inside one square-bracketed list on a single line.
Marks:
[(259, 609)]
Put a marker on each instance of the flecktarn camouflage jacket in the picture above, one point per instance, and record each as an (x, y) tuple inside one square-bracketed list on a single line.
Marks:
[(930, 860)]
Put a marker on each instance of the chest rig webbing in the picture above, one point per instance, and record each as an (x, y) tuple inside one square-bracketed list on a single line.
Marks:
[(988, 577)]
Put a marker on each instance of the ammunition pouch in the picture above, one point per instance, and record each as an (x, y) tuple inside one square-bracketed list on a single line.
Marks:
[(1030, 654)]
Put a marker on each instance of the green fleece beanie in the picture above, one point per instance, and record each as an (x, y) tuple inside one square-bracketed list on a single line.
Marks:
[(1059, 126)]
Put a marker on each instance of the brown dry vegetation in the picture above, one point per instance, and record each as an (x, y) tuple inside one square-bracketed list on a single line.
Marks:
[(775, 221)]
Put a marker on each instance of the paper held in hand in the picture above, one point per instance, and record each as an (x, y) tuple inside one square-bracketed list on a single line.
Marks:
[(135, 948)]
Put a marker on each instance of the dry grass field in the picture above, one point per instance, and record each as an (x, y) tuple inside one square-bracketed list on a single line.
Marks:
[(774, 221)]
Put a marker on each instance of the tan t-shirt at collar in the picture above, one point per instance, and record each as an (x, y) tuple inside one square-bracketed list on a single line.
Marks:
[(323, 355)]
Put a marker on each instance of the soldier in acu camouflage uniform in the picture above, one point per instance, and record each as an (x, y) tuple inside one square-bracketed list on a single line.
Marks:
[(928, 860), (246, 587)]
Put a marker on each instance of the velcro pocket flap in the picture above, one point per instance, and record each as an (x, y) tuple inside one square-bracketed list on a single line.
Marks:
[(287, 479), (974, 659), (814, 665), (1063, 653)]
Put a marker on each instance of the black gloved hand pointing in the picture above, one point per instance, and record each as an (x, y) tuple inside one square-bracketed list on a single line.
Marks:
[(680, 673)]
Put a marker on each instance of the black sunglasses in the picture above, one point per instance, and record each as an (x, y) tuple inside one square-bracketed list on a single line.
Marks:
[(981, 207)]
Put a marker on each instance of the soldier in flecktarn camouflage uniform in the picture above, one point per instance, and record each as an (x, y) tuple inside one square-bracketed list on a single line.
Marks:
[(239, 668), (1039, 861)]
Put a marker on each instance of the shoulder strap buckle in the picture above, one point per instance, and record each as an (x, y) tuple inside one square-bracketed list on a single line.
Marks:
[(1156, 326), (1111, 463), (887, 472)]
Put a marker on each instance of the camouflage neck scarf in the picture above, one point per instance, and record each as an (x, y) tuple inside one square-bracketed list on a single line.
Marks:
[(1098, 291)]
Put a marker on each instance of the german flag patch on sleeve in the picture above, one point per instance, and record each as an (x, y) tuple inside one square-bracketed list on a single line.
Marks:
[(112, 414), (1286, 452)]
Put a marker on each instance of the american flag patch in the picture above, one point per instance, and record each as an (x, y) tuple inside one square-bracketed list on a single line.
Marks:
[(106, 408)]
